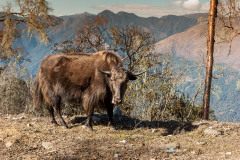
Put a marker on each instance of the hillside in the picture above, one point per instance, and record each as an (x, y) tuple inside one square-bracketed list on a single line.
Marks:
[(28, 137), (191, 45)]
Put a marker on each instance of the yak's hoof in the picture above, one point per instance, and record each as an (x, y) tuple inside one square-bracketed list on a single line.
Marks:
[(55, 123), (112, 128), (88, 128), (65, 126)]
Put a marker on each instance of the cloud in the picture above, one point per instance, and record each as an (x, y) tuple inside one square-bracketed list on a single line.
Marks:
[(192, 5), (179, 7), (177, 3), (205, 7)]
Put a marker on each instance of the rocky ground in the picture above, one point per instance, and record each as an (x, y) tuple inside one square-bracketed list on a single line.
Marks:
[(28, 137)]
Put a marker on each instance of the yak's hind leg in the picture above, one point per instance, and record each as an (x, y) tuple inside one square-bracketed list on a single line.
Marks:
[(57, 107), (51, 113)]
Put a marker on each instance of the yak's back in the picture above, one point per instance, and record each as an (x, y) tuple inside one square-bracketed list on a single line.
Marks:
[(82, 59), (77, 68)]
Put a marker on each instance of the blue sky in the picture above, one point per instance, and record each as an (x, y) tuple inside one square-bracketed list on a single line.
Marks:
[(144, 8)]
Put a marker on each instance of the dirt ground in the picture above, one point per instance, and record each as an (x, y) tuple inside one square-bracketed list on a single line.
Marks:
[(28, 137)]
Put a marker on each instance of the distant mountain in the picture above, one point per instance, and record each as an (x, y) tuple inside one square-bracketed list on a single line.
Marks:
[(197, 15), (85, 14), (191, 45), (160, 27)]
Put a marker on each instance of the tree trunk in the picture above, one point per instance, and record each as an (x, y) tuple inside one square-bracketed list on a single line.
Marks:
[(209, 65)]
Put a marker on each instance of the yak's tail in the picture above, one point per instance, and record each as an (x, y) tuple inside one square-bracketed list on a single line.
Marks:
[(37, 93)]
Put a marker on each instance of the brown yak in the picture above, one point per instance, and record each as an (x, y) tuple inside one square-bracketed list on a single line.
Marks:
[(93, 80)]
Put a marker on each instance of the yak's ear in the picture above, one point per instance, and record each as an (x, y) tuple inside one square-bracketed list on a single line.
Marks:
[(107, 73), (131, 76)]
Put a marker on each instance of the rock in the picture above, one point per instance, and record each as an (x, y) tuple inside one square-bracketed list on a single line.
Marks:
[(201, 143), (95, 118), (154, 130), (80, 138), (123, 141), (211, 132), (34, 119), (47, 145), (116, 155), (229, 153), (117, 113), (171, 146), (8, 144), (29, 125)]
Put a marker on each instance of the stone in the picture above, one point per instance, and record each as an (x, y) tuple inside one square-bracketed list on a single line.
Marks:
[(201, 143), (47, 145), (95, 118), (171, 145), (116, 155), (123, 141), (212, 132), (229, 153), (8, 144), (117, 113)]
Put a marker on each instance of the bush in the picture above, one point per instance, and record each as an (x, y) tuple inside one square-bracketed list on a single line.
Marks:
[(154, 96), (15, 93)]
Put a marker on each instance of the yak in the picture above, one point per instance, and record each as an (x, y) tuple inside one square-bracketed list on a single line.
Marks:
[(92, 80)]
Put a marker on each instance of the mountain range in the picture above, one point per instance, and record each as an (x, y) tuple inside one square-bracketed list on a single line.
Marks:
[(160, 27)]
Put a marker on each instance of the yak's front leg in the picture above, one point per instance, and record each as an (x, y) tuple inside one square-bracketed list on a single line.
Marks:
[(89, 118), (110, 115)]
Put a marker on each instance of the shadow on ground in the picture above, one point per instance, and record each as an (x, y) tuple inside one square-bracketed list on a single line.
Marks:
[(128, 123)]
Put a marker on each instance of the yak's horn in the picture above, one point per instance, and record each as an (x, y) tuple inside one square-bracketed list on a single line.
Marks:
[(104, 72), (137, 74)]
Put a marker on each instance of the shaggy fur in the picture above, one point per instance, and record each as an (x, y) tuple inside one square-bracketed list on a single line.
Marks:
[(76, 79)]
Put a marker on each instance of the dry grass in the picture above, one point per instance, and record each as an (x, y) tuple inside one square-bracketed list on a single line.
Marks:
[(24, 137)]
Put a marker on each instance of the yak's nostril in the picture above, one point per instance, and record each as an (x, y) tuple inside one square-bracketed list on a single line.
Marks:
[(117, 101)]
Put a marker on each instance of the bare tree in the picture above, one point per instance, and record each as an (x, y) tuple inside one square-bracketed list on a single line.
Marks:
[(209, 64), (229, 17), (91, 35), (133, 41)]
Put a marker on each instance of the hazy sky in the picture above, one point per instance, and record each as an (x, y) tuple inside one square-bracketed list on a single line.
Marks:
[(144, 8)]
